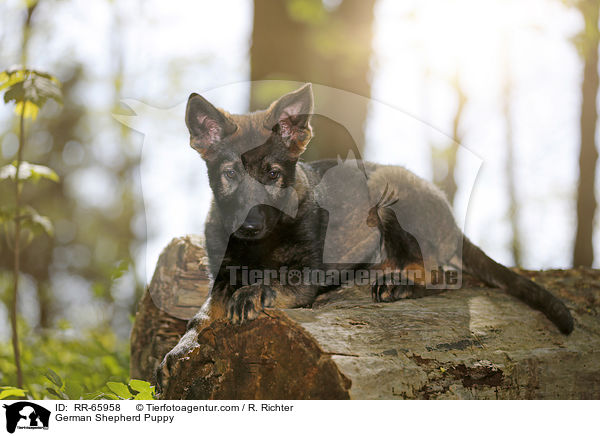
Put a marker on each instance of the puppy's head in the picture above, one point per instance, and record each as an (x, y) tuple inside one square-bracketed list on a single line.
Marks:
[(251, 159)]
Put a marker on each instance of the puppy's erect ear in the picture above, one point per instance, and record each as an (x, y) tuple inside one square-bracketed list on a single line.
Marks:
[(207, 124), (289, 116)]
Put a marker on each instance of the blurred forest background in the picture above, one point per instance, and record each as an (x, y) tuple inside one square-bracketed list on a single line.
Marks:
[(516, 83)]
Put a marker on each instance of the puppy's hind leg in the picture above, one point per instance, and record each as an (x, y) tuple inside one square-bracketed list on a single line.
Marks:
[(406, 283)]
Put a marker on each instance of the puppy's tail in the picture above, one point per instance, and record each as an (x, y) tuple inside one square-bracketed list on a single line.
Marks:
[(477, 263)]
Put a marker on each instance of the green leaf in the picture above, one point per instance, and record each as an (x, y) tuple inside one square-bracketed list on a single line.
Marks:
[(58, 394), (54, 378), (98, 289), (39, 172), (12, 392), (95, 396), (9, 77), (28, 172), (140, 385), (36, 223), (30, 219), (144, 396), (25, 86), (73, 390), (120, 389), (119, 270)]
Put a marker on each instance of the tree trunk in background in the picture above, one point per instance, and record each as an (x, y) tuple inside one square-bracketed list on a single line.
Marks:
[(306, 42), (583, 254), (444, 160), (513, 207), (126, 172), (45, 303)]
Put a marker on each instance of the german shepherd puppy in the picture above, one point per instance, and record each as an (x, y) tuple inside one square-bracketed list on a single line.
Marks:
[(266, 215)]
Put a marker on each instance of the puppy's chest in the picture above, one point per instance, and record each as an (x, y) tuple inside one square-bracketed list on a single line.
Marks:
[(270, 255)]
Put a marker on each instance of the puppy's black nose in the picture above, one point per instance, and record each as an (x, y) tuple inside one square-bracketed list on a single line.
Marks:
[(254, 223), (252, 227)]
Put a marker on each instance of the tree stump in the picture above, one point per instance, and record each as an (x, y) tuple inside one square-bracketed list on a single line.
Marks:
[(472, 343), (179, 286)]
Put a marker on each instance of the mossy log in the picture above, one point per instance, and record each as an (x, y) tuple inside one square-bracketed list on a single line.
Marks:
[(472, 343)]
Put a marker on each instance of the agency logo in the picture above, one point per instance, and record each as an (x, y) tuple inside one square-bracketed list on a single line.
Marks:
[(26, 415)]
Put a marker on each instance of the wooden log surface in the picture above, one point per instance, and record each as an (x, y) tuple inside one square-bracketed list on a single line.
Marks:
[(472, 343)]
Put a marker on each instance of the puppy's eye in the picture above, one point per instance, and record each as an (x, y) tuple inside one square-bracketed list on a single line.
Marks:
[(274, 174), (230, 174)]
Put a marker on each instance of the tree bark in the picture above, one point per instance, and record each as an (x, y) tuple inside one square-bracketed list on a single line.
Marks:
[(178, 288), (473, 343), (583, 253)]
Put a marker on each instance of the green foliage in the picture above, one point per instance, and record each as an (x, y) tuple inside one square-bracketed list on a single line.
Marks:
[(11, 393), (134, 390), (141, 387), (64, 364), (35, 222), (32, 224), (120, 269), (28, 172), (121, 389), (587, 38), (29, 89), (29, 217), (54, 378)]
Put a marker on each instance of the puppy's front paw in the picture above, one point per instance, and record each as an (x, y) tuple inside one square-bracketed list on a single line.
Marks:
[(248, 302), (171, 362)]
